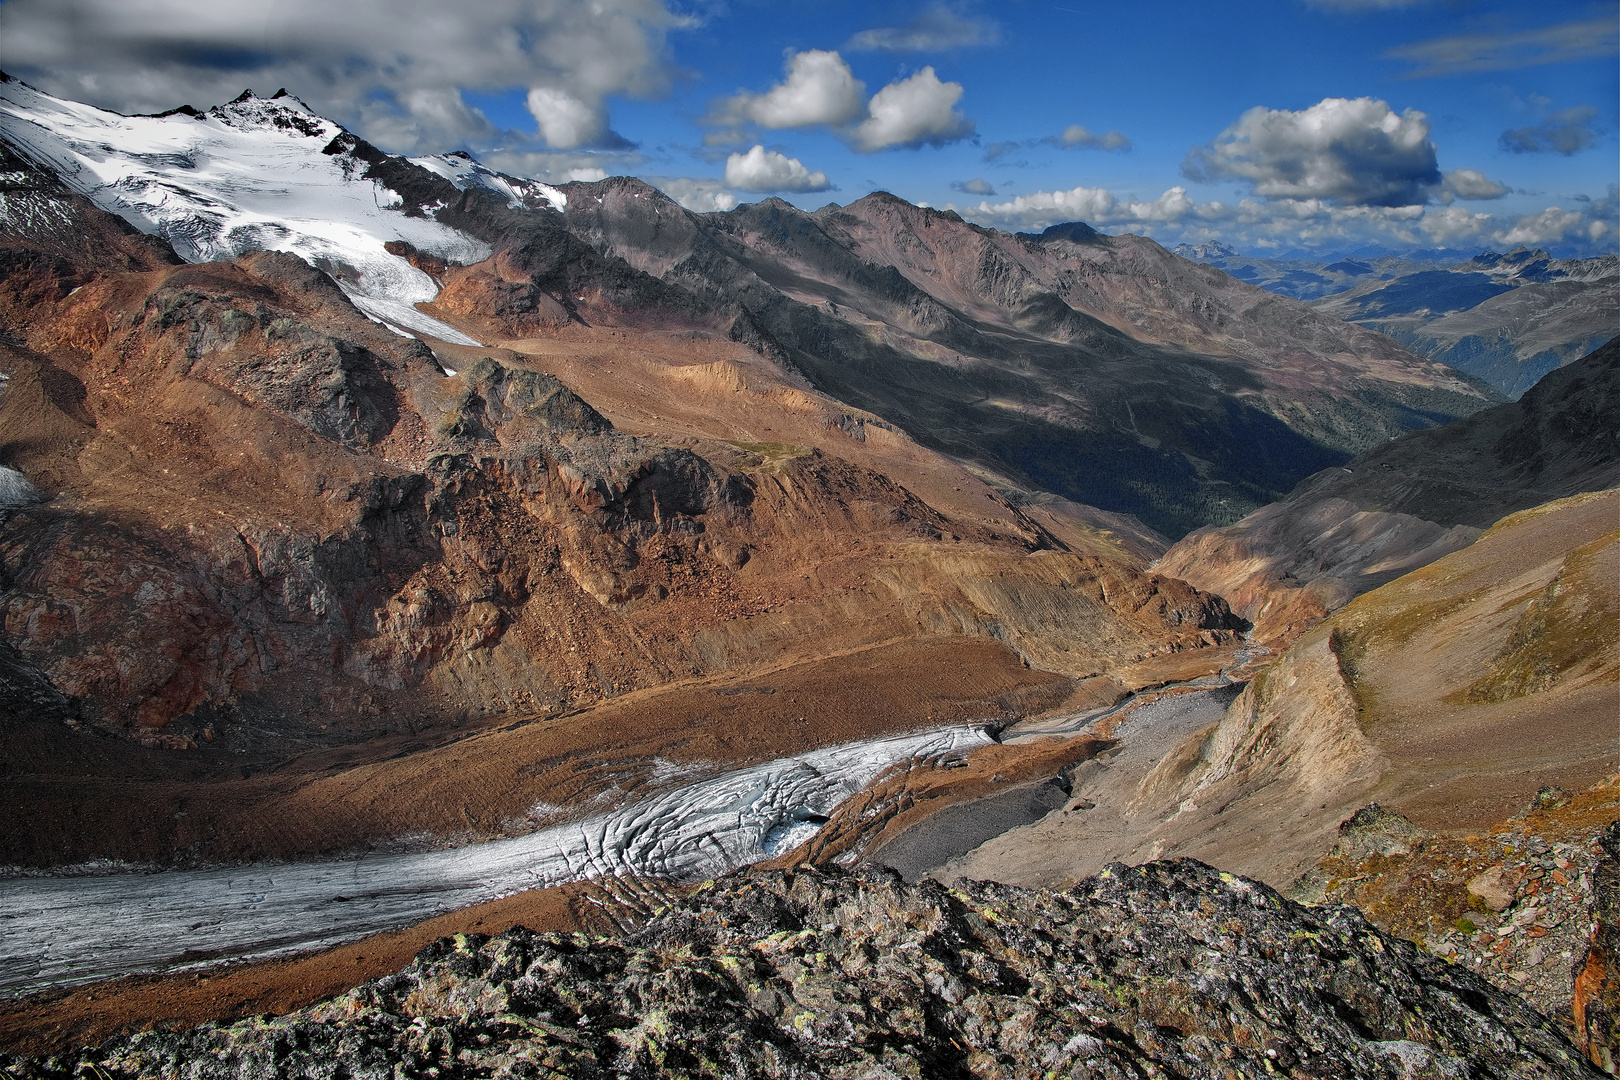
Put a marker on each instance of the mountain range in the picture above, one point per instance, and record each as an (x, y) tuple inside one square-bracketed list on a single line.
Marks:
[(1506, 318), (363, 507)]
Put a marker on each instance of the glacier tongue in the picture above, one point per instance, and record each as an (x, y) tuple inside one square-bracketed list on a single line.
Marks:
[(57, 931), (248, 176)]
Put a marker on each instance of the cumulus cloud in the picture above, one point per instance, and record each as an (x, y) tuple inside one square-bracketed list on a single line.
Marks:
[(819, 89), (1075, 137), (566, 121), (1350, 151), (976, 186), (1567, 131), (934, 30), (1459, 54), (766, 170), (1551, 226), (1471, 184), (1453, 225), (392, 69), (913, 112), (699, 196)]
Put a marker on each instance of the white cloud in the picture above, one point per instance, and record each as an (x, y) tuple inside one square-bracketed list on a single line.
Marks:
[(699, 196), (1171, 206), (566, 121), (912, 112), (934, 30), (1548, 227), (766, 170), (392, 69), (1075, 137), (819, 89), (1351, 151), (561, 166), (1302, 223), (1042, 208), (1472, 184), (1453, 225)]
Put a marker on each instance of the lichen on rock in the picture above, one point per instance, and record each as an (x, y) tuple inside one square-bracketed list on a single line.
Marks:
[(1168, 969)]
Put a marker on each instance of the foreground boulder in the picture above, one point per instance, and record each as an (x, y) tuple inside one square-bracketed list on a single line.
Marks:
[(1169, 969)]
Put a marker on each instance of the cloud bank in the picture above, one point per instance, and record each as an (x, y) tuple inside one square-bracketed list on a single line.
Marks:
[(391, 69)]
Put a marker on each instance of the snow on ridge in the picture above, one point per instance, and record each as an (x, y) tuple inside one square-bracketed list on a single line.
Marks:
[(247, 176), (464, 171)]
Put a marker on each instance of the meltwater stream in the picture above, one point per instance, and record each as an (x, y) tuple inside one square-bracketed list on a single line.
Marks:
[(58, 931)]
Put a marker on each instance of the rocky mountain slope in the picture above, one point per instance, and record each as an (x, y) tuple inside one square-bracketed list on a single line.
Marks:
[(1508, 319), (1406, 503), (1188, 395), (1451, 695), (1166, 969), (1530, 905)]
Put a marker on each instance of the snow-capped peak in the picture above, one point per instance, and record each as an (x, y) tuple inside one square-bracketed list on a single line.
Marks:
[(253, 174)]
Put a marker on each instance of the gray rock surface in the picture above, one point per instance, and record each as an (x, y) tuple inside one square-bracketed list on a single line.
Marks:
[(1170, 969)]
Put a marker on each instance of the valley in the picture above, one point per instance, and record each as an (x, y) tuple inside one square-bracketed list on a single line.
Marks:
[(415, 548)]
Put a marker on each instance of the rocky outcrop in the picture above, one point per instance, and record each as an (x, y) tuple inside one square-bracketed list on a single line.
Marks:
[(1596, 1003), (1166, 969), (1529, 906)]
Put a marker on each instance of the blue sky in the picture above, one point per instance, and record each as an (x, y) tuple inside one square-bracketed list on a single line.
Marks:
[(1269, 125)]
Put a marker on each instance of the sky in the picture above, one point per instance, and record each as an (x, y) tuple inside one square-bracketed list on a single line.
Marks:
[(1271, 126)]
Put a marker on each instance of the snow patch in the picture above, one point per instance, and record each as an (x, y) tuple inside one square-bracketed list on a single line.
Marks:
[(520, 194)]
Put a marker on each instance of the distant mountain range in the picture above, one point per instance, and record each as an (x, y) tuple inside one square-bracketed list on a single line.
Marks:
[(1505, 318)]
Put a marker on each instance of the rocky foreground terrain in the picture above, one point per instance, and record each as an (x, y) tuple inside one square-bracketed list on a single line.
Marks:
[(1168, 969)]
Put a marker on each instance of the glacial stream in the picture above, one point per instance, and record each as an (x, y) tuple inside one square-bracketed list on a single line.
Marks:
[(59, 931)]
